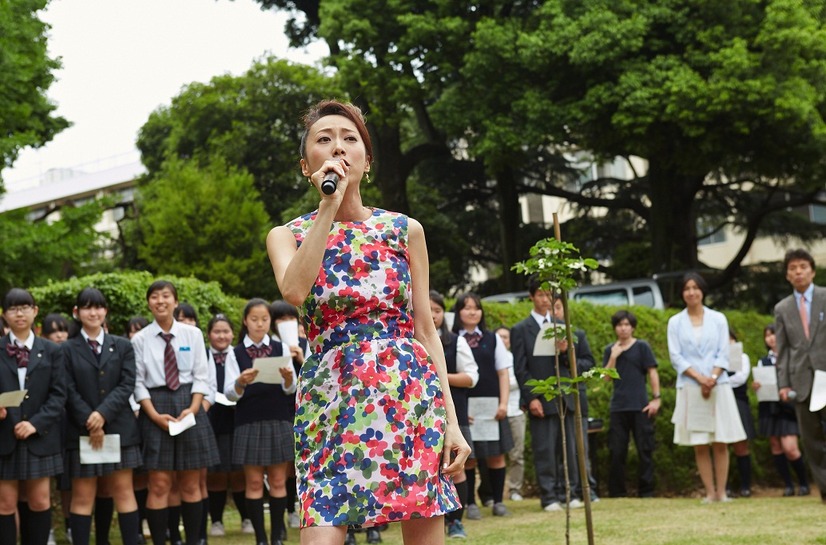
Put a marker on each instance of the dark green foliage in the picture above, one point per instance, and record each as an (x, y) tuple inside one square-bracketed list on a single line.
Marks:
[(125, 293)]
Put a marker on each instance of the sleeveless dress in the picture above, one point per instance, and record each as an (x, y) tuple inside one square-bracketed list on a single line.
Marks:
[(370, 415)]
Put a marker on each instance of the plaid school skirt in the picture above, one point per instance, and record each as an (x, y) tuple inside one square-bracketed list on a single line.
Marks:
[(22, 465), (264, 443), (195, 448)]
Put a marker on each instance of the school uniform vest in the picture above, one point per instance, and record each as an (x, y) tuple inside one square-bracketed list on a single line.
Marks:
[(485, 356), (221, 417), (262, 401), (458, 393)]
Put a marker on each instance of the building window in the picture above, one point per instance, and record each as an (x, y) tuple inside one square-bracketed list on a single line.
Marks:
[(706, 233)]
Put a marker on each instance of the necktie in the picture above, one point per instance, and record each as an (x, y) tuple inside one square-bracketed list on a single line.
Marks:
[(170, 363), (473, 339), (258, 351), (804, 316), (219, 357), (93, 344), (20, 353)]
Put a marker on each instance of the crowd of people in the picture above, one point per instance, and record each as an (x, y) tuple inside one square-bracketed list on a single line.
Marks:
[(380, 406)]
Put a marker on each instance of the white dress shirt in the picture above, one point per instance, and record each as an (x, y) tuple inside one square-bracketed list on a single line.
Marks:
[(28, 343)]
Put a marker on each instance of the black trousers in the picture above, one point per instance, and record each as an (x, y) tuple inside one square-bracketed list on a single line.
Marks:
[(623, 424)]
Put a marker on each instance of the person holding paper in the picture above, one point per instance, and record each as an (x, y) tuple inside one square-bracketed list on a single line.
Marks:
[(264, 413), (801, 350), (100, 372), (225, 475), (493, 360), (738, 380), (286, 328), (631, 411), (171, 382), (545, 418), (30, 445), (462, 375), (705, 416), (376, 377), (777, 420)]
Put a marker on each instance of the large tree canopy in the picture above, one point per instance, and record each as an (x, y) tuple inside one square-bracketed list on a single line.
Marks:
[(26, 114)]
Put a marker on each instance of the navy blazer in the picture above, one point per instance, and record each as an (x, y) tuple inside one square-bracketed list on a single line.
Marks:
[(526, 366), (43, 405), (103, 386)]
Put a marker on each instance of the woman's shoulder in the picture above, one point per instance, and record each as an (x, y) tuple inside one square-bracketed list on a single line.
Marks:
[(715, 314)]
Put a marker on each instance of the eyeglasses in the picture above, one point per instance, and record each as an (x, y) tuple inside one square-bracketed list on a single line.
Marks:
[(20, 309)]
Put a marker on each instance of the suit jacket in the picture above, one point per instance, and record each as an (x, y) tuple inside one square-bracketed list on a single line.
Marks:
[(43, 405), (526, 366), (103, 386), (798, 357)]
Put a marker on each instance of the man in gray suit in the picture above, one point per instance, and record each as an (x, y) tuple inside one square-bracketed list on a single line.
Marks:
[(544, 417), (801, 349)]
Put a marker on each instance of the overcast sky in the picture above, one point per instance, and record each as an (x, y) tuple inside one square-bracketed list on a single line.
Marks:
[(124, 58)]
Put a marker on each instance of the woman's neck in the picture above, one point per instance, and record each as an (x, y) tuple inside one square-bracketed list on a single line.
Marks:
[(695, 310), (92, 333), (21, 335), (352, 208), (255, 341), (165, 323)]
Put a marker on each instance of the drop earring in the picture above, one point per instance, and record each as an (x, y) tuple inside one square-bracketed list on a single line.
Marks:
[(367, 177)]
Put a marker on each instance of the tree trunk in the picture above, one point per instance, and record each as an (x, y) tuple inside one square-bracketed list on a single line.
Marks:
[(672, 221), (390, 173), (510, 214)]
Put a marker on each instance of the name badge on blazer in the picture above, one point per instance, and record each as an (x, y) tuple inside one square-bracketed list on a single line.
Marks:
[(184, 349)]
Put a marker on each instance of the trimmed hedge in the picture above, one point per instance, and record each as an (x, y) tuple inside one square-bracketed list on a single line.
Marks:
[(125, 293), (675, 468)]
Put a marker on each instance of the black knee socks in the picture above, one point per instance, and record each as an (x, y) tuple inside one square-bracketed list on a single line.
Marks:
[(255, 510), (39, 525), (781, 464), (799, 467), (104, 509), (471, 486), (158, 520), (173, 524), (140, 497), (497, 483), (240, 501), (81, 526), (130, 527), (217, 503), (277, 508), (23, 513), (191, 513), (204, 518), (744, 469), (291, 494), (8, 528)]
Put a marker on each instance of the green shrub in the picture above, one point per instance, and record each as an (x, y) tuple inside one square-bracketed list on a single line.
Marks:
[(675, 469), (125, 293)]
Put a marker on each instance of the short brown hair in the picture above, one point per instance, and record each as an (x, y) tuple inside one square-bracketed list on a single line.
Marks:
[(793, 255), (335, 107)]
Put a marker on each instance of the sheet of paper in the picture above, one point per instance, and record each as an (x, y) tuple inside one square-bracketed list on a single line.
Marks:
[(13, 398), (109, 453), (818, 398), (221, 399), (767, 377), (177, 428), (483, 410), (700, 415), (543, 346), (735, 357), (288, 332), (450, 317), (268, 369)]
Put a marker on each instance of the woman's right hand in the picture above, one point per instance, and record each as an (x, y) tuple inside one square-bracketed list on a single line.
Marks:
[(340, 167), (247, 376), (163, 420)]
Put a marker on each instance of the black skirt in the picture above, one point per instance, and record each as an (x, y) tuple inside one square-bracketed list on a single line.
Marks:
[(264, 443), (195, 448), (130, 458), (22, 465), (745, 417)]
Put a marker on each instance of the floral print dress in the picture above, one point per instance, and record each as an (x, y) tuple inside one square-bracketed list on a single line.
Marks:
[(370, 415)]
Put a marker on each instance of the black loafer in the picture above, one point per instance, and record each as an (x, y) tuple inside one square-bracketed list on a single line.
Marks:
[(804, 490)]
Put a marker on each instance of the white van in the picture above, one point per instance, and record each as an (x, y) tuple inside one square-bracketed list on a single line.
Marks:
[(644, 292)]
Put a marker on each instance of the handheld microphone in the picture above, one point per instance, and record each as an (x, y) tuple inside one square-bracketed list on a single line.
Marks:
[(329, 184), (792, 395)]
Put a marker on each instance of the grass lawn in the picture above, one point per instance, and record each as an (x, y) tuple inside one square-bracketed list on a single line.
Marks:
[(765, 520)]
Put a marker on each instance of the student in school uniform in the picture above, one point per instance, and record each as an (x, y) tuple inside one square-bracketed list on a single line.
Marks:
[(264, 414), (171, 381), (282, 312), (100, 372), (139, 475), (30, 447), (225, 475)]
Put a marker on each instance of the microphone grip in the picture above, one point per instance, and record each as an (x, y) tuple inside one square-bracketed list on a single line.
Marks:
[(329, 184)]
